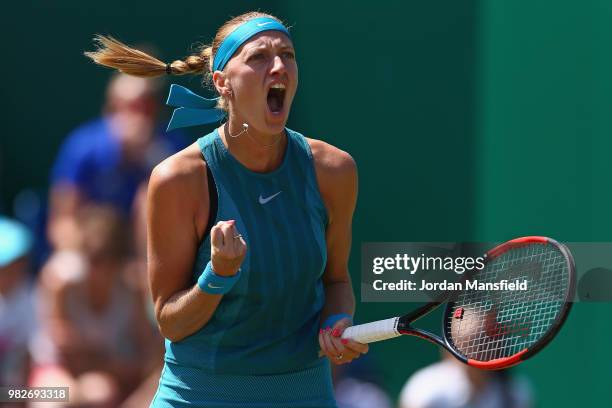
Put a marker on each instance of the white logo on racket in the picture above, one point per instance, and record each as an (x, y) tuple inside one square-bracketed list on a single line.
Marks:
[(263, 201)]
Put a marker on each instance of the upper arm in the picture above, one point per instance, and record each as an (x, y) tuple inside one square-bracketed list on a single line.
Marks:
[(337, 176), (173, 202)]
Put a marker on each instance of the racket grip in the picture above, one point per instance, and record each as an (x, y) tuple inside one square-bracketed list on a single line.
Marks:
[(371, 332)]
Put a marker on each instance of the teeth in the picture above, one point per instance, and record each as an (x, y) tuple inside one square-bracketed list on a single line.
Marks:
[(278, 86)]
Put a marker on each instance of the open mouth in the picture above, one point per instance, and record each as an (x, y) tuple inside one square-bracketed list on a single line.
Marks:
[(276, 98)]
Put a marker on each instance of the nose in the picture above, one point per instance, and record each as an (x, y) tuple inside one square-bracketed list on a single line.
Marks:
[(278, 66)]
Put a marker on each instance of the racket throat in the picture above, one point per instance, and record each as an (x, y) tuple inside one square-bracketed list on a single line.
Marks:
[(423, 334)]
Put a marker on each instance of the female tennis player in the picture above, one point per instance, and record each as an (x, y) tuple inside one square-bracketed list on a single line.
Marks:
[(249, 231)]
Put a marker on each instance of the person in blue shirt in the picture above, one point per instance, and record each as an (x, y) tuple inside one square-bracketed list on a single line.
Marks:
[(249, 231), (107, 160)]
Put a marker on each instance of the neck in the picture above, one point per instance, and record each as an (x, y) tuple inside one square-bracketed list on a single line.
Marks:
[(257, 151)]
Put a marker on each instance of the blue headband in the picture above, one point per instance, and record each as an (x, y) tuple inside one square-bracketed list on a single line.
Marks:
[(192, 109), (240, 35)]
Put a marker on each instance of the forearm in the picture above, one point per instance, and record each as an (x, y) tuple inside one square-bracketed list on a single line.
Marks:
[(339, 298), (186, 312)]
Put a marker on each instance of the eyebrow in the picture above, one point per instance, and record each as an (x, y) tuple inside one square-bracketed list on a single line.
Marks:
[(283, 46)]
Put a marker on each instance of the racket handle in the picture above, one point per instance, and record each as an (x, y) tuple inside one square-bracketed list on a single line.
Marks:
[(371, 332)]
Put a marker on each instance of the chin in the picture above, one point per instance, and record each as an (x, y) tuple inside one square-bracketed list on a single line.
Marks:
[(275, 122), (268, 128)]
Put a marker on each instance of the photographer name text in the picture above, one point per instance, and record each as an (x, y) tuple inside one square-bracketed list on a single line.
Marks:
[(407, 285)]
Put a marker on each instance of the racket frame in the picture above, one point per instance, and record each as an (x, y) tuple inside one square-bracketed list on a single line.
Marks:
[(404, 322)]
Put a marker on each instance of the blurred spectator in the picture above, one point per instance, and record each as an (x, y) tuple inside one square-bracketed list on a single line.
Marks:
[(95, 337), (2, 197), (108, 159), (357, 385), (452, 384), (17, 320), (143, 395)]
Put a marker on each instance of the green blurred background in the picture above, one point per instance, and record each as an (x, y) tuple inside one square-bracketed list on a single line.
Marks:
[(473, 120)]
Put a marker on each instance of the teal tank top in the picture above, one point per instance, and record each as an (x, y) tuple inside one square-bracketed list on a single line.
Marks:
[(268, 323)]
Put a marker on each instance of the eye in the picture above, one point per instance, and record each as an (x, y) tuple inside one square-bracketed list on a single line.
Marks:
[(289, 54), (257, 56)]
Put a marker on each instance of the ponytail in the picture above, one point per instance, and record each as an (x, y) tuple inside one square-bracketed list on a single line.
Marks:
[(112, 53)]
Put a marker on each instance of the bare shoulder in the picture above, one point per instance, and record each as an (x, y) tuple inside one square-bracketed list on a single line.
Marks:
[(178, 190), (183, 169), (336, 173), (332, 161), (181, 175)]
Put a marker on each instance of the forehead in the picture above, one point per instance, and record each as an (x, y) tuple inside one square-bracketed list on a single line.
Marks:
[(268, 39)]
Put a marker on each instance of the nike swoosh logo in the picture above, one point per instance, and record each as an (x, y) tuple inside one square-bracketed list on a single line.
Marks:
[(262, 200), (214, 287), (263, 24)]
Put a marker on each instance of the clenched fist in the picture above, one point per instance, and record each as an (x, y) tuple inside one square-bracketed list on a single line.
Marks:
[(227, 248)]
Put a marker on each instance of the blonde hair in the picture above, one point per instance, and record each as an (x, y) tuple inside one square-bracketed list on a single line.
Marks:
[(113, 53)]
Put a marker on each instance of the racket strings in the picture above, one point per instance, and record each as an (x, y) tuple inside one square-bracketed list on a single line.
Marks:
[(496, 324)]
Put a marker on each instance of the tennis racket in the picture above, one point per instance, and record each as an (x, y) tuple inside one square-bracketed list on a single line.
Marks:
[(496, 329)]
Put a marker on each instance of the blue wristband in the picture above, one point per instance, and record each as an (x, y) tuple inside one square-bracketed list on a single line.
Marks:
[(210, 282), (331, 320)]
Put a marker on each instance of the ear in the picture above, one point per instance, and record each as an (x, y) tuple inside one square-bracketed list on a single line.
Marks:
[(222, 84)]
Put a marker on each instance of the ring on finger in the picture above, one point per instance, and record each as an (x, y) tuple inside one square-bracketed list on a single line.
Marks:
[(339, 356), (238, 236)]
